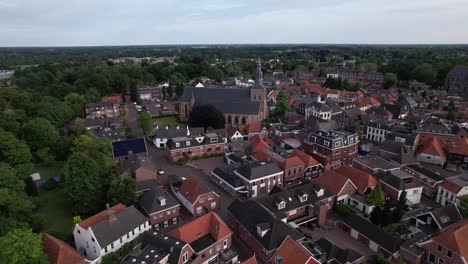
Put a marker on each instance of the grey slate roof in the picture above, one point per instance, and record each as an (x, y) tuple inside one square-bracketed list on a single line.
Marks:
[(172, 132), (250, 214), (165, 243), (150, 201), (333, 252), (334, 138), (400, 180), (258, 169), (376, 162), (374, 233), (107, 231), (435, 126), (317, 123), (428, 173), (227, 100)]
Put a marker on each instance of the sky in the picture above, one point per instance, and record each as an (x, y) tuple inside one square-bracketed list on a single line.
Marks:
[(147, 22)]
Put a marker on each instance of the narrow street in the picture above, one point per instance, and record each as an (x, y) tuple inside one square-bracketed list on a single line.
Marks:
[(132, 117)]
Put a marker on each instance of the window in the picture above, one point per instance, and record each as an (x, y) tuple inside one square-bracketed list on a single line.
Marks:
[(218, 247), (202, 199), (441, 261), (210, 197), (120, 240), (105, 249), (168, 212), (173, 210), (225, 244), (449, 253), (78, 231), (92, 239), (187, 143), (281, 205), (112, 245), (185, 257), (439, 248), (177, 145), (128, 235), (213, 140), (213, 205)]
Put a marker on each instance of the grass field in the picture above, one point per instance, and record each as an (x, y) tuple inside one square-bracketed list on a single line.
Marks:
[(50, 169), (170, 121), (56, 212)]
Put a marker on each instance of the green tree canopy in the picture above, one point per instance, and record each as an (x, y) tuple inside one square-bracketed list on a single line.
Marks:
[(22, 246), (390, 79), (376, 197), (83, 186), (122, 191), (282, 105), (424, 73), (463, 206), (76, 103), (16, 153), (144, 119), (40, 133)]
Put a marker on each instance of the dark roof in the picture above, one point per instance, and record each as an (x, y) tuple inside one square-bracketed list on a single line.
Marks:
[(108, 231), (126, 147), (150, 201), (428, 173), (202, 243), (228, 176), (376, 162), (156, 240), (192, 141), (145, 185), (239, 99), (291, 197), (317, 123), (400, 180), (459, 70), (250, 214), (435, 126), (333, 252), (258, 169), (149, 254), (172, 132), (394, 109), (374, 233), (443, 216), (334, 138)]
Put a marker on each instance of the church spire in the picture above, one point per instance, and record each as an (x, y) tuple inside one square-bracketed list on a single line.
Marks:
[(259, 74)]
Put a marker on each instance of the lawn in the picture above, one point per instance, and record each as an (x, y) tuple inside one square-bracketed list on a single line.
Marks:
[(170, 121), (56, 212), (50, 169)]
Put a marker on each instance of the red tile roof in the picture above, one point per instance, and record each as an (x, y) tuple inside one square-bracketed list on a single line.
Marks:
[(251, 260), (231, 131), (292, 162), (431, 145), (308, 160), (258, 143), (90, 221), (451, 186), (455, 238), (191, 188), (60, 252), (361, 179), (208, 224), (458, 146), (292, 252), (114, 97), (332, 182)]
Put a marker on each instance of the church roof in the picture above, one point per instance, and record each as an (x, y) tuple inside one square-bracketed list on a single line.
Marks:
[(227, 100)]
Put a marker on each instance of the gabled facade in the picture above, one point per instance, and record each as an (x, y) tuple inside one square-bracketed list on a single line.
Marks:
[(108, 231), (292, 252), (194, 145), (160, 207), (103, 109), (398, 181), (196, 197), (451, 189)]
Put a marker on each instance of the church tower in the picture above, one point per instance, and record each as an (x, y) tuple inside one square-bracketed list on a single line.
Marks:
[(258, 93)]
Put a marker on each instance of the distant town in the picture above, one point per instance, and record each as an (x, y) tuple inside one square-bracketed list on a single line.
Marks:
[(234, 154)]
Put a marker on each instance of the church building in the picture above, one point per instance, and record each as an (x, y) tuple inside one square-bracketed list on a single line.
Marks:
[(240, 106)]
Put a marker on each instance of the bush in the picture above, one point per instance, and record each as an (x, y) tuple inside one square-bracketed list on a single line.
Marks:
[(50, 184), (343, 210), (110, 258), (126, 249)]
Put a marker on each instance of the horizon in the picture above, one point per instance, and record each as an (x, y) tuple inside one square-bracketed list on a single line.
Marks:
[(89, 23)]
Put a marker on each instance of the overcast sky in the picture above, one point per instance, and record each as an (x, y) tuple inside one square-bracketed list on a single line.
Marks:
[(142, 22)]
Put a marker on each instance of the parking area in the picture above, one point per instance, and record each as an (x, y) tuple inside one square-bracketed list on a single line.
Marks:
[(339, 238)]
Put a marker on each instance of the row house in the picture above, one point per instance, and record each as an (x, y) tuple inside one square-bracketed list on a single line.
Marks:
[(355, 76), (428, 178), (332, 148), (291, 251), (195, 145), (301, 205), (160, 207), (249, 179), (328, 252), (317, 109), (451, 189), (105, 109), (398, 181), (260, 230), (375, 165), (196, 197), (150, 93), (161, 135), (108, 231), (378, 130)]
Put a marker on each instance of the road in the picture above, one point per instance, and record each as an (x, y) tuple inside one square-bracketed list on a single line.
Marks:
[(132, 117)]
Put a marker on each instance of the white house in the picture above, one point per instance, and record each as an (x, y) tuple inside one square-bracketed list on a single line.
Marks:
[(320, 110), (108, 231), (451, 190), (398, 181)]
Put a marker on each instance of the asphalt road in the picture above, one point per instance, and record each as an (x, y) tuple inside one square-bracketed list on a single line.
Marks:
[(132, 117)]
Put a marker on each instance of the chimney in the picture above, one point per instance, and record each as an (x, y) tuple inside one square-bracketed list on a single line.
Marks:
[(110, 213)]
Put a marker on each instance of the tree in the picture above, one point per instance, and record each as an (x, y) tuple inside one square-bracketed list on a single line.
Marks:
[(463, 206), (452, 111), (424, 73), (81, 180), (282, 105), (376, 216), (176, 80), (31, 188), (16, 153), (76, 219), (206, 116), (76, 103), (379, 259), (134, 92), (376, 197), (144, 120), (390, 79), (122, 191), (110, 258), (40, 133), (22, 246), (402, 201)]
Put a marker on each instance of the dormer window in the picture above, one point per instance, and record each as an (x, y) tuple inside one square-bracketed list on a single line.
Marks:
[(281, 205), (213, 140), (303, 198), (187, 143), (162, 200), (177, 145)]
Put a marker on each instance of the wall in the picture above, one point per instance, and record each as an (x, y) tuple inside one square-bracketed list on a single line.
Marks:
[(161, 216), (185, 203), (205, 201)]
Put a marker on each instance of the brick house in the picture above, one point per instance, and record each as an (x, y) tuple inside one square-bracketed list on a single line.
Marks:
[(196, 197), (259, 177), (312, 168), (260, 231), (448, 246), (150, 93), (429, 179), (372, 236), (303, 204), (102, 109), (108, 231), (60, 252), (160, 207), (194, 145), (292, 252), (207, 235), (332, 148)]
